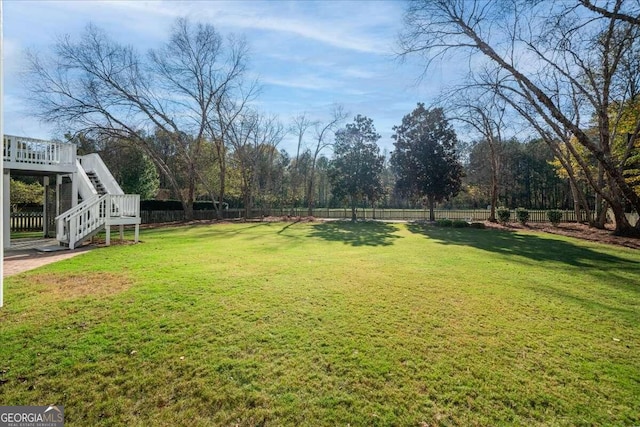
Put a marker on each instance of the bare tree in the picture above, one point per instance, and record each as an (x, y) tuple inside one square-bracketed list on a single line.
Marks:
[(253, 137), (580, 53), (299, 126), (97, 86), (485, 113), (322, 141), (632, 15)]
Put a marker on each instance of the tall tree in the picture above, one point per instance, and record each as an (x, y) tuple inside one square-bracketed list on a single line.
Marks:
[(355, 171), (299, 126), (425, 158), (99, 87), (322, 129), (484, 113), (254, 139), (573, 68)]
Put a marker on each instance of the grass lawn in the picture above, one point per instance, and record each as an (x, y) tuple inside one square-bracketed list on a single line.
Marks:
[(329, 324), (26, 234)]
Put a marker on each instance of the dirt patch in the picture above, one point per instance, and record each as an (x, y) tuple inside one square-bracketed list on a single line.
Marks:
[(65, 286), (579, 231)]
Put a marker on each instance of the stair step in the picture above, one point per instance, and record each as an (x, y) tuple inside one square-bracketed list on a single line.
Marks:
[(93, 177)]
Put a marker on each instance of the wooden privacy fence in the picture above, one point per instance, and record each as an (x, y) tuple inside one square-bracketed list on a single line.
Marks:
[(26, 221)]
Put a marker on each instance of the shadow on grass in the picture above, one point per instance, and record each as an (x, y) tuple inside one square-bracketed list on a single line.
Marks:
[(531, 246), (369, 233), (617, 273)]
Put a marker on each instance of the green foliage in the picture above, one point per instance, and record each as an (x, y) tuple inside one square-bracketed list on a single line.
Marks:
[(425, 158), (444, 223), (138, 174), (527, 176), (130, 166), (522, 215), (555, 216), (459, 223), (355, 172), (173, 205), (22, 193), (504, 215)]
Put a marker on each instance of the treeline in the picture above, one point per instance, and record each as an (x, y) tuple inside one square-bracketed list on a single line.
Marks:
[(528, 176), (186, 111)]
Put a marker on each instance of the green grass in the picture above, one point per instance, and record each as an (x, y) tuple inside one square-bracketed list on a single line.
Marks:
[(329, 324), (26, 234)]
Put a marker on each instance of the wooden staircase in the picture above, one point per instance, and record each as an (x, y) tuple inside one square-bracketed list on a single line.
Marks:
[(93, 177), (104, 204)]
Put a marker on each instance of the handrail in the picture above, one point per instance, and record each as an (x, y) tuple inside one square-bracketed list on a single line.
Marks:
[(77, 208), (85, 186), (93, 163), (74, 226), (79, 222)]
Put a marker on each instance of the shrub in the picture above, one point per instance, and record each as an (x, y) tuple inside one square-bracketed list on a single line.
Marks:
[(173, 205), (479, 225), (555, 217), (504, 215), (460, 224), (522, 215), (444, 223)]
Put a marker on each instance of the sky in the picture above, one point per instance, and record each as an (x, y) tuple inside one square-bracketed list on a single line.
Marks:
[(307, 55)]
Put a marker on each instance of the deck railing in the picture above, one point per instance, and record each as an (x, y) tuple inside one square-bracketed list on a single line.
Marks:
[(29, 151), (125, 205), (85, 219)]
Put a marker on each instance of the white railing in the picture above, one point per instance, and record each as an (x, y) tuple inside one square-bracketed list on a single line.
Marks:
[(125, 205), (85, 186), (93, 163), (79, 222), (17, 149)]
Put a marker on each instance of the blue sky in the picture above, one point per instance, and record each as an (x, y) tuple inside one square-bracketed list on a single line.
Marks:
[(307, 55)]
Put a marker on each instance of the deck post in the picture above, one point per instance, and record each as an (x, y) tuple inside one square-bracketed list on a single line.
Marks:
[(58, 185), (74, 189), (6, 209), (45, 219)]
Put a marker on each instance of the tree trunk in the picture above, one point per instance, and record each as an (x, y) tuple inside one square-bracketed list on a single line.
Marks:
[(191, 190), (494, 198), (432, 215), (600, 205), (494, 180), (576, 201), (354, 218), (222, 174), (310, 196), (188, 209), (623, 226), (247, 205)]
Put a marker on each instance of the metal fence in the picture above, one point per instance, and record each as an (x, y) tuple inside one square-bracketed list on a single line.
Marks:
[(32, 221), (417, 214), (362, 214)]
